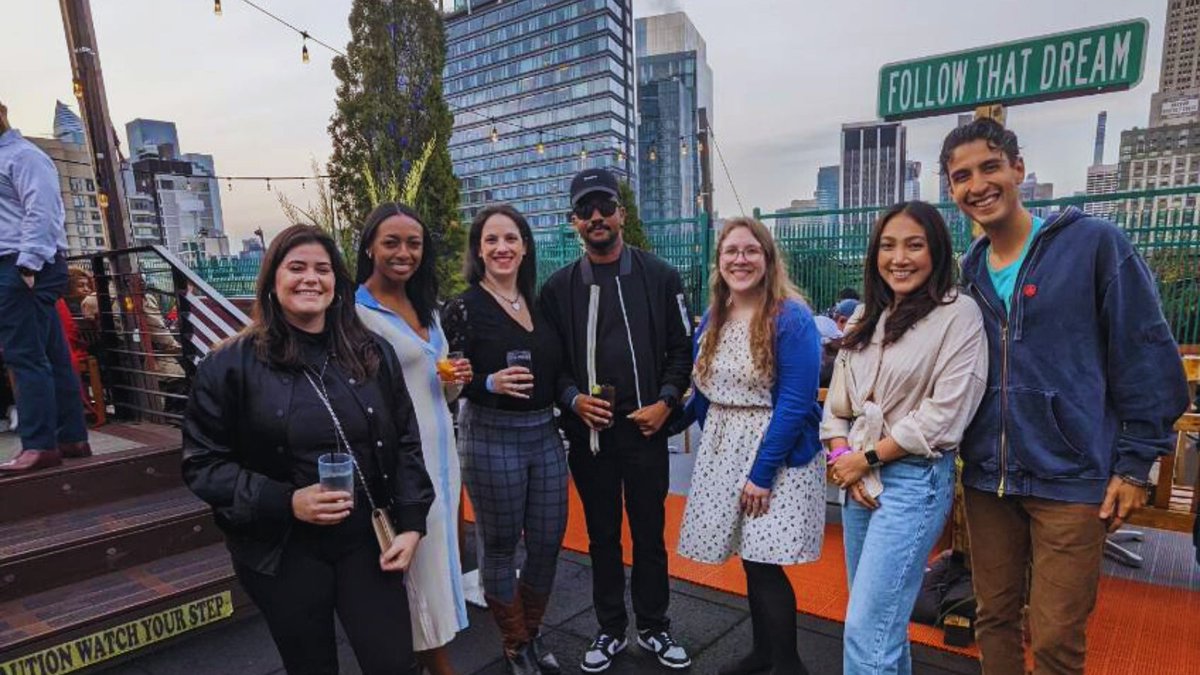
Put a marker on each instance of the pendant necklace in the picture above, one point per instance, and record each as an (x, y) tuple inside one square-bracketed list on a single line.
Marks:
[(515, 303)]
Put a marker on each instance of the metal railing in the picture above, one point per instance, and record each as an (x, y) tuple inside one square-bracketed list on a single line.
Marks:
[(147, 318)]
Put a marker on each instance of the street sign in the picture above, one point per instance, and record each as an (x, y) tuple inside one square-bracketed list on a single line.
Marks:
[(1075, 63)]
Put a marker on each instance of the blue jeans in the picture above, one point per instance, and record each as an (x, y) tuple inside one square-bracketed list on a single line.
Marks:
[(886, 551), (35, 350)]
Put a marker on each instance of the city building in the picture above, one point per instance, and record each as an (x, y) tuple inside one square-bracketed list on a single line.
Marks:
[(1177, 100), (174, 197), (674, 91), (1101, 180), (912, 180), (873, 163), (1032, 190), (1168, 153), (798, 206), (1101, 128), (828, 180), (252, 247), (154, 138), (82, 218), (944, 196), (1159, 157), (539, 90)]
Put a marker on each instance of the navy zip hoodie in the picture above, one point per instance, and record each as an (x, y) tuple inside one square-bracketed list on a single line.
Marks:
[(1085, 380)]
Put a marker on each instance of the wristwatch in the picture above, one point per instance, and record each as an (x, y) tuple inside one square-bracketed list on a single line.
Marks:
[(872, 458)]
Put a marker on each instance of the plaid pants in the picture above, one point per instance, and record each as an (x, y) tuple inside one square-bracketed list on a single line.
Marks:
[(515, 469)]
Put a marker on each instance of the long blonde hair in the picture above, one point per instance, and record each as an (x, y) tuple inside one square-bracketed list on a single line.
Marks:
[(777, 288)]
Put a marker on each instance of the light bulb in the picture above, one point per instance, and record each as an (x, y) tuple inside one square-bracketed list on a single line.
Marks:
[(495, 135), (217, 7)]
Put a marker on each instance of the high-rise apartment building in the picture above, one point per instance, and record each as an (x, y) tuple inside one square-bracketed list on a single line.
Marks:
[(1032, 190), (174, 198), (873, 164), (1168, 153), (82, 217), (1177, 100), (540, 89), (912, 180), (674, 87), (828, 180), (1101, 180), (1101, 130)]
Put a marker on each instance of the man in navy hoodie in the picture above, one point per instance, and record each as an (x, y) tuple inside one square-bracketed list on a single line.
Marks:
[(1085, 382)]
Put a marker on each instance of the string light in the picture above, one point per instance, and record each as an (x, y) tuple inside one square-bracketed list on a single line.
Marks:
[(699, 146), (683, 148), (541, 147), (77, 87), (217, 7), (653, 154), (495, 134), (583, 154), (268, 185), (304, 50), (229, 184)]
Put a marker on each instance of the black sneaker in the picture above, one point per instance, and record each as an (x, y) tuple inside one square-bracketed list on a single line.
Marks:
[(663, 645), (600, 655)]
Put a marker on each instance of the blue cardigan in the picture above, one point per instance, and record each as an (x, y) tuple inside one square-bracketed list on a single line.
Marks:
[(792, 437)]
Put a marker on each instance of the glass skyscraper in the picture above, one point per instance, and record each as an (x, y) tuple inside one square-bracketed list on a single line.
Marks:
[(554, 79), (674, 84)]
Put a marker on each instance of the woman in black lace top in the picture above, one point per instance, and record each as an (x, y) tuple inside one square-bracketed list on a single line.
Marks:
[(513, 460)]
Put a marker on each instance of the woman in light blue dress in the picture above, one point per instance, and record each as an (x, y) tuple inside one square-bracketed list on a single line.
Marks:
[(397, 298)]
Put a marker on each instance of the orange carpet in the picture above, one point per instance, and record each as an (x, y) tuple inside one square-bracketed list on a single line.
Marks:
[(1137, 628)]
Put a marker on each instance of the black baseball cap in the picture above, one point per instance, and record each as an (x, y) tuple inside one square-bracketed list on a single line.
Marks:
[(590, 181)]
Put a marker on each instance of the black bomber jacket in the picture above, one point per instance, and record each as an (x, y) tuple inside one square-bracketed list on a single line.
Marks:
[(234, 458)]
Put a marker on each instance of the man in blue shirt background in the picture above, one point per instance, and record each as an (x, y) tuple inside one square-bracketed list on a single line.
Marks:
[(33, 276)]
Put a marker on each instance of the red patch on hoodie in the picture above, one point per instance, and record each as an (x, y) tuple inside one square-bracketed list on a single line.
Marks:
[(1030, 290)]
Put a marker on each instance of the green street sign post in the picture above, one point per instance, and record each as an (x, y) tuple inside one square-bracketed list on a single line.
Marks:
[(1075, 63)]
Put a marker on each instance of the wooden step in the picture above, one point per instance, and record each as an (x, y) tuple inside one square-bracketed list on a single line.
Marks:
[(99, 619), (80, 483), (47, 551)]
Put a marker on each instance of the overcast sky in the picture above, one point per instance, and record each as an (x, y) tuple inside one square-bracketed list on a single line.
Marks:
[(787, 74)]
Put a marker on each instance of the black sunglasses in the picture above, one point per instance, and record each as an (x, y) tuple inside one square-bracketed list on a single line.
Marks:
[(583, 210)]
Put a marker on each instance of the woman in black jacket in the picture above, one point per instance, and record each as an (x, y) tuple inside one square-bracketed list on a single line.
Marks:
[(262, 410)]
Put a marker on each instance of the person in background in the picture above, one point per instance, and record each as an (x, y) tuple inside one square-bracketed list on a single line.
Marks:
[(513, 459), (911, 372), (843, 311), (756, 491), (33, 277), (397, 299), (831, 342), (1084, 384), (624, 327), (301, 378)]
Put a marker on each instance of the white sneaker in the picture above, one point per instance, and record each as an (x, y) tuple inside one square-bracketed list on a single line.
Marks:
[(600, 654), (664, 647)]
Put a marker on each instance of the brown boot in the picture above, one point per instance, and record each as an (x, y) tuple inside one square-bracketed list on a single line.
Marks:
[(510, 617), (534, 604)]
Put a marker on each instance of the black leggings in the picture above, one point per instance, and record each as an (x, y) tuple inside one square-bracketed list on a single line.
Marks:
[(334, 568), (772, 615)]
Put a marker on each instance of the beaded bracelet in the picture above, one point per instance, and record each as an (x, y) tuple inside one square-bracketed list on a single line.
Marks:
[(837, 452)]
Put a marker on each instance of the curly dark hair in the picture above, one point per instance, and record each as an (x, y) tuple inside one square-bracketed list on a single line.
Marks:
[(878, 295), (982, 129)]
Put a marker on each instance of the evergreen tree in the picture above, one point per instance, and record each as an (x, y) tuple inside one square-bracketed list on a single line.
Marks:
[(391, 127), (632, 231)]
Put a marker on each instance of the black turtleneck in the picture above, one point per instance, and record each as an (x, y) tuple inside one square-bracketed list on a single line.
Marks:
[(310, 428)]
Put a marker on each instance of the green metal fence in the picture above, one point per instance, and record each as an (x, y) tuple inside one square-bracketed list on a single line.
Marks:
[(825, 249)]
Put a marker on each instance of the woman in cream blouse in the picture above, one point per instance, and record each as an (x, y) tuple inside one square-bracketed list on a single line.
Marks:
[(911, 372)]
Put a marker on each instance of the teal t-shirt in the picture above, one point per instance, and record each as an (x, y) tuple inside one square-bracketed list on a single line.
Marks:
[(1004, 280)]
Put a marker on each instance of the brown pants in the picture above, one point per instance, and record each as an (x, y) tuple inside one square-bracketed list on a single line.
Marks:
[(1064, 543)]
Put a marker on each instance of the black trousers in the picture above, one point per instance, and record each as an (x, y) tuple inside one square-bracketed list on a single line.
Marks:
[(636, 470), (327, 569)]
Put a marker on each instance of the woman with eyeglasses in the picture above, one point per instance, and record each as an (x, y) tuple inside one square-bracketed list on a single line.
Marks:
[(756, 491)]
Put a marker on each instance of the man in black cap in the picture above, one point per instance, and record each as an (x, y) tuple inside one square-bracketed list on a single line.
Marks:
[(623, 322)]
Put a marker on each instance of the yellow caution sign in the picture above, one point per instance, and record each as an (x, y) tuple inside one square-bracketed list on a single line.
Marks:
[(89, 650)]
